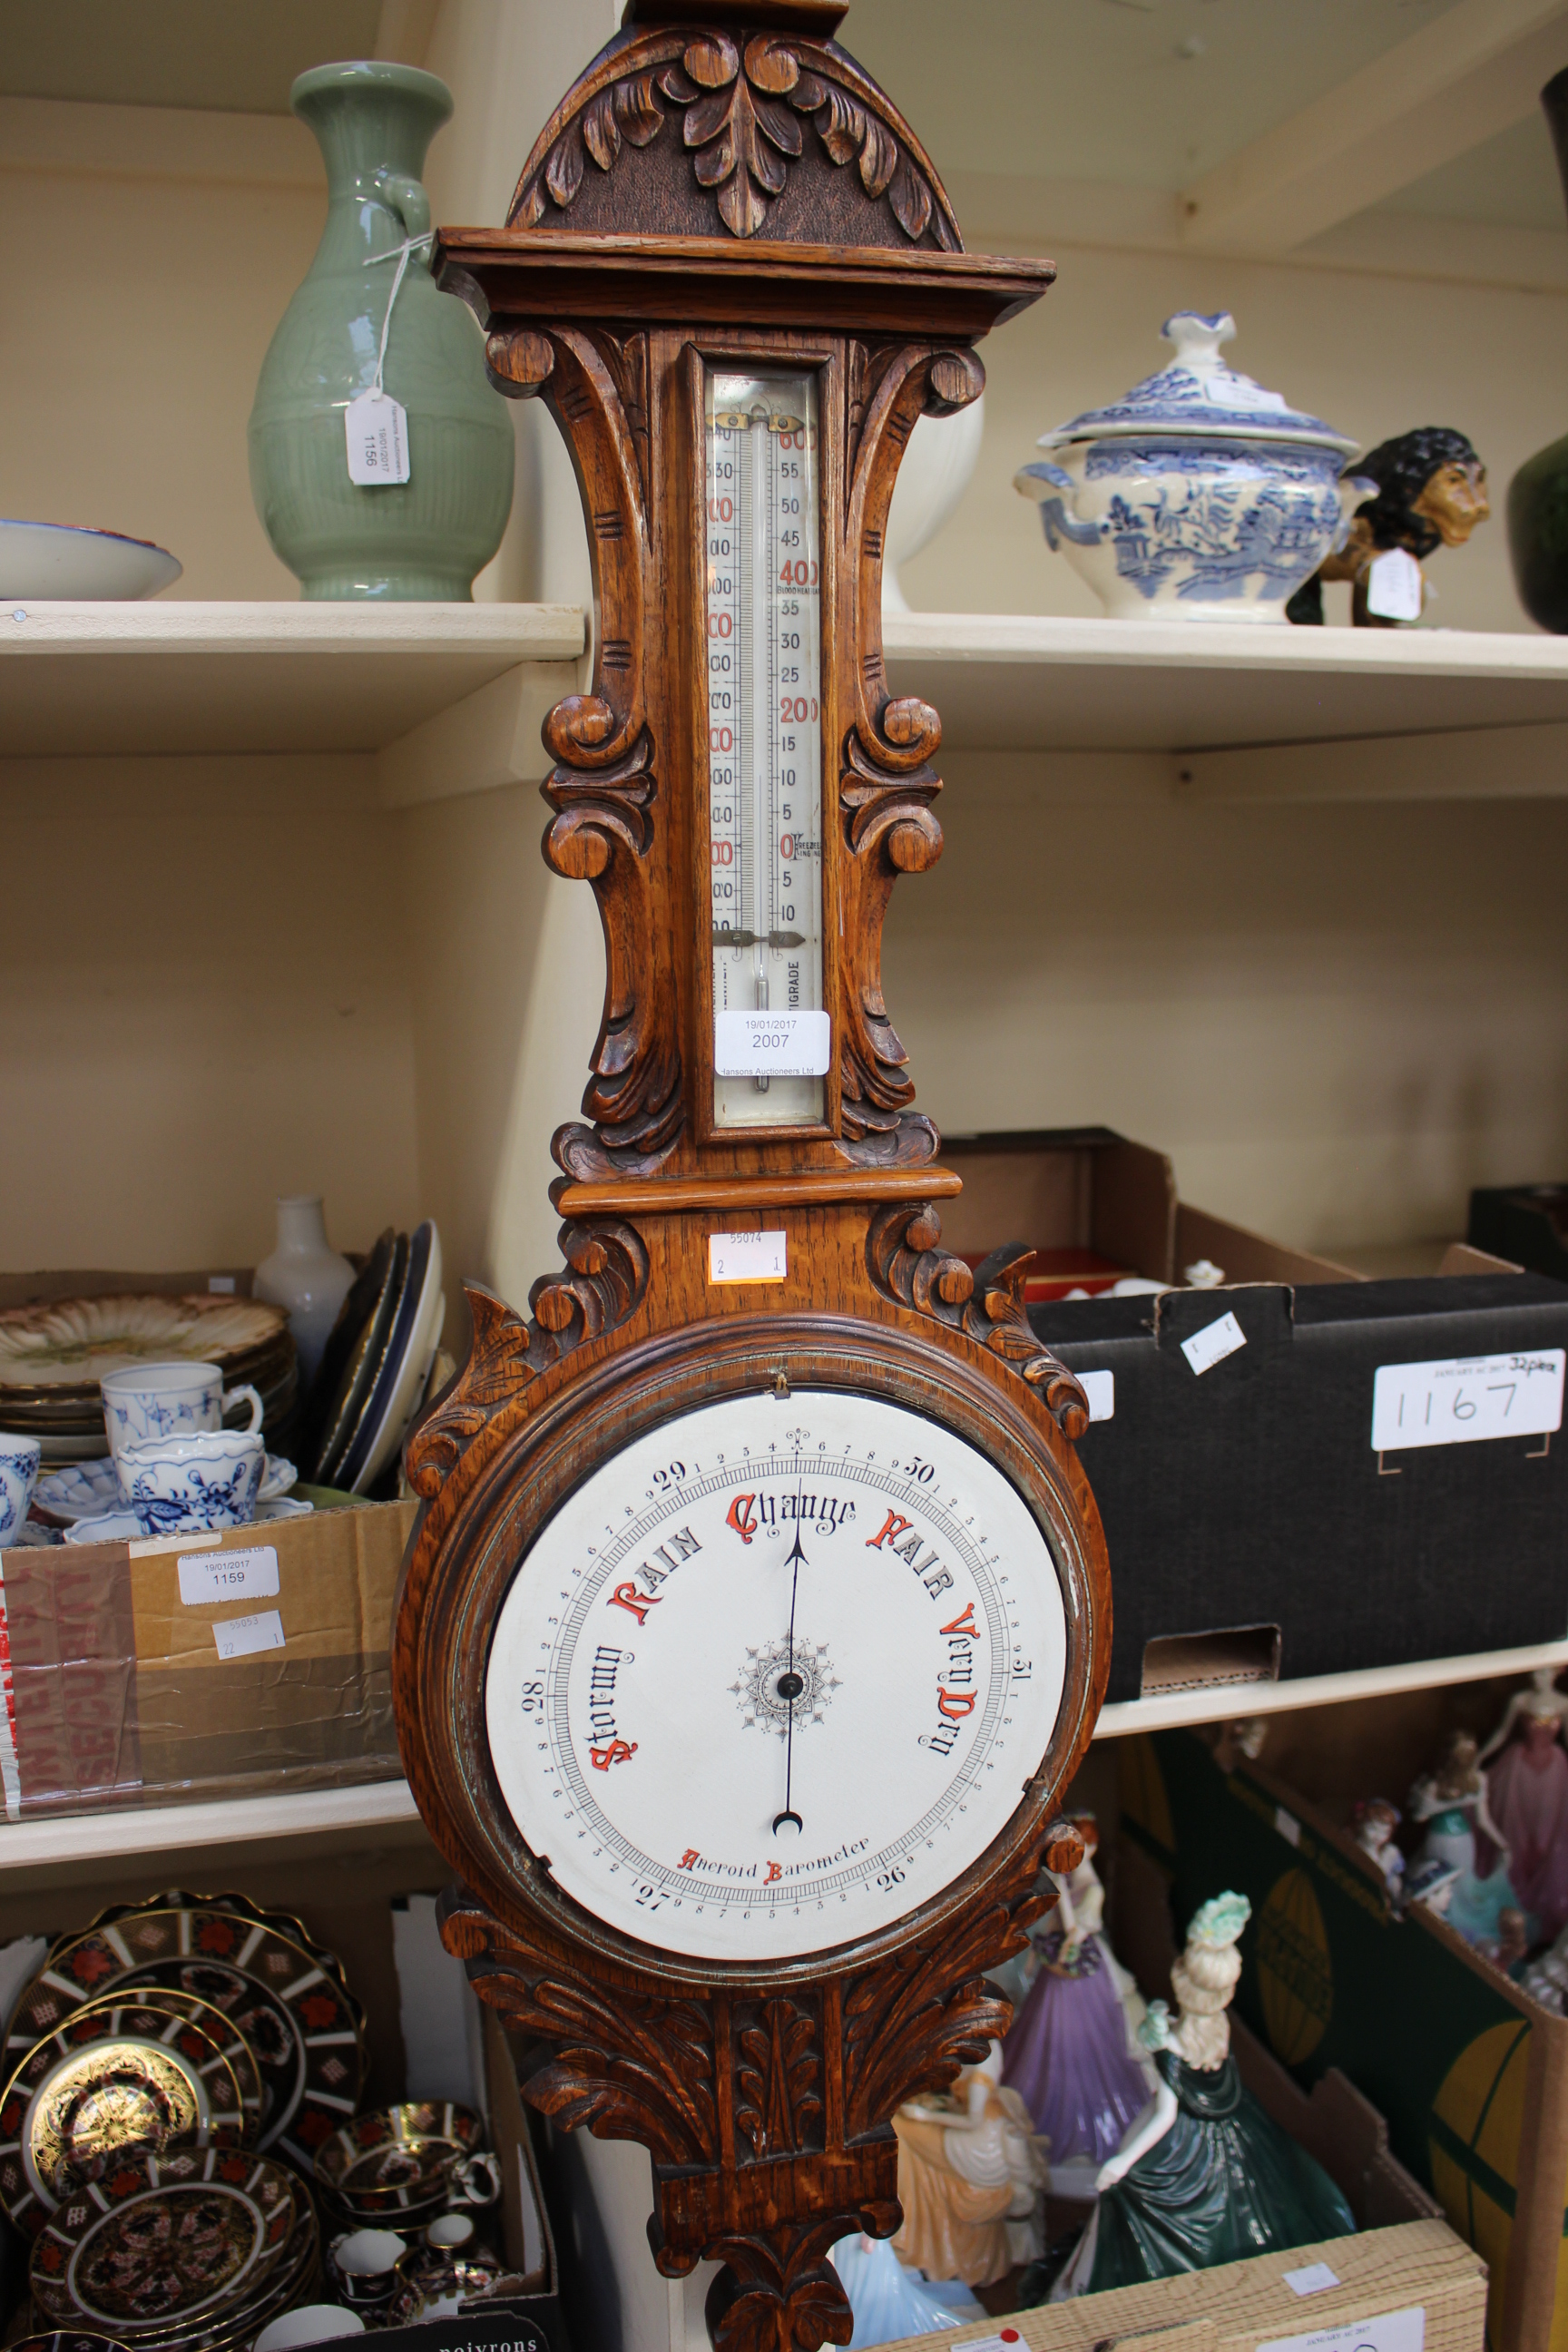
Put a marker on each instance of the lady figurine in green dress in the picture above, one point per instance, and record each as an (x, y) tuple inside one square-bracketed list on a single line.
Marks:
[(1204, 2176)]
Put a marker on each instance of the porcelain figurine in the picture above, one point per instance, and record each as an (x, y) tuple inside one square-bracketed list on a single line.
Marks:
[(306, 1275), (971, 2172), (1538, 494), (427, 535), (1197, 495), (1527, 1791), (1429, 490), (1205, 2175), (1072, 2054), (1451, 1803), (1375, 1823), (890, 2301)]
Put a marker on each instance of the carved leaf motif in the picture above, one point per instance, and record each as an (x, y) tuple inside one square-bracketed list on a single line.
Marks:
[(628, 2066), (772, 65), (601, 1285), (842, 127), (563, 172), (601, 131), (712, 61), (637, 109), (906, 1263), (775, 2099), (879, 156), (779, 2294), (910, 199)]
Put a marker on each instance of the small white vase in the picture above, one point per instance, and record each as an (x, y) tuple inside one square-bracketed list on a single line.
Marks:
[(942, 454), (307, 1276)]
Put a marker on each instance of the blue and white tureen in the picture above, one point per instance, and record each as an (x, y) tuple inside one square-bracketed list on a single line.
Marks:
[(1197, 495)]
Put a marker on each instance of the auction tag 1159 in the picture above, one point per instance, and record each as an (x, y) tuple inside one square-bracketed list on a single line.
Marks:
[(377, 429)]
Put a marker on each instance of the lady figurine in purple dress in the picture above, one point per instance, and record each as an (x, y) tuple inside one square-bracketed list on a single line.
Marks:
[(1527, 1790), (1070, 2052)]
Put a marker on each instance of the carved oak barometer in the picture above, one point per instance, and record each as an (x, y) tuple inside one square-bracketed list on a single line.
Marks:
[(758, 1611)]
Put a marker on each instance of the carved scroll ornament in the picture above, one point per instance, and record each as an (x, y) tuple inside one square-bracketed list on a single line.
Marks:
[(906, 1263), (746, 110), (601, 1285), (689, 2073)]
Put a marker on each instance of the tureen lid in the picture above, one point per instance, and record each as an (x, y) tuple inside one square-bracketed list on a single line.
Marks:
[(1197, 393)]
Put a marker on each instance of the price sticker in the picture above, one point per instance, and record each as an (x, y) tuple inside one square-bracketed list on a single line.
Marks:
[(1099, 1390), (251, 1574), (1459, 1400), (1313, 2278), (1214, 1343), (240, 1637), (1394, 587), (748, 1257), (1391, 2331), (377, 429), (771, 1044)]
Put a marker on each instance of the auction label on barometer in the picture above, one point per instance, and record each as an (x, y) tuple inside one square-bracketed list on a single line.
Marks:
[(771, 1044), (776, 1674)]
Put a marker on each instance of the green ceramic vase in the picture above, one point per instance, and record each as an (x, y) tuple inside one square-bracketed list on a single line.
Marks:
[(427, 537), (1538, 494)]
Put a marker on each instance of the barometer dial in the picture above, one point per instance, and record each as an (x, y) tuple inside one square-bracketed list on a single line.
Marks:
[(771, 1033), (776, 1676)]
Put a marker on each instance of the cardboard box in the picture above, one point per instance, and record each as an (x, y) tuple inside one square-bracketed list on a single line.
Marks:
[(1254, 1531), (150, 1672), (1471, 2074)]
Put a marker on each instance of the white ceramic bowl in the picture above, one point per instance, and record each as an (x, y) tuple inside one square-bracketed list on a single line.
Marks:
[(311, 2322), (933, 475), (50, 562)]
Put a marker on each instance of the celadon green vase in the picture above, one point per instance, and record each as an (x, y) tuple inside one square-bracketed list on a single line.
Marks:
[(427, 537)]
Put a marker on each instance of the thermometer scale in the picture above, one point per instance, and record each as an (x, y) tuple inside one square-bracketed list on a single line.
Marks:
[(772, 1035)]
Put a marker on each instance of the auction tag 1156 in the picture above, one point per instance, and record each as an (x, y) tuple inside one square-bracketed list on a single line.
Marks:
[(377, 429)]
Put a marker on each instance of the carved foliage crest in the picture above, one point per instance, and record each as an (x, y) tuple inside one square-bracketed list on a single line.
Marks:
[(907, 1264), (600, 1286), (747, 111)]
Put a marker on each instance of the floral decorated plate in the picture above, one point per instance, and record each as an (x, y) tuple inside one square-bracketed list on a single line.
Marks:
[(283, 1994), (162, 2243), (113, 2084), (71, 1343)]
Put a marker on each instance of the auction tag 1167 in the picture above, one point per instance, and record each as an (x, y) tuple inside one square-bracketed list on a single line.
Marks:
[(377, 430)]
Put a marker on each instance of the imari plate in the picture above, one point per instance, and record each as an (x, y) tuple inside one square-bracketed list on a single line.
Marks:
[(113, 2083), (163, 2242), (218, 2029), (290, 2003)]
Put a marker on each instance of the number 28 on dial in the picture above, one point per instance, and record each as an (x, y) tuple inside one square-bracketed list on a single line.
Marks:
[(776, 1674)]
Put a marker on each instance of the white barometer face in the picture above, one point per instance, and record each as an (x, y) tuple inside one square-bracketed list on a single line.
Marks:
[(776, 1674)]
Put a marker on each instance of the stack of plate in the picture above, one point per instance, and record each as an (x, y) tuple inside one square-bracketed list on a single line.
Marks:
[(195, 2251), (377, 1362), (166, 2070), (53, 1356)]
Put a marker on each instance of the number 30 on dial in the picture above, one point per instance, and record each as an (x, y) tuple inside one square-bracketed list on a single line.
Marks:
[(776, 1674)]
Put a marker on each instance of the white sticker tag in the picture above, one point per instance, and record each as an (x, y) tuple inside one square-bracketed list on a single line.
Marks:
[(1290, 1828), (251, 1574), (1391, 2331), (1004, 2340), (1099, 1388), (771, 1044), (1313, 2278), (1457, 1399), (748, 1257), (1394, 587), (220, 1282), (236, 1637), (377, 431), (1214, 1343)]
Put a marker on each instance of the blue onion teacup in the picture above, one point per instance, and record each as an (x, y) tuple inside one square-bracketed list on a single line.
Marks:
[(208, 1480)]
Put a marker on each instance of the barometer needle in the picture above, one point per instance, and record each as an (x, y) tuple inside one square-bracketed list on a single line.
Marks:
[(790, 1686)]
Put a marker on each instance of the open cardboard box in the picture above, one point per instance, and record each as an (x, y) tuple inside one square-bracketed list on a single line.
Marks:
[(195, 1667), (1469, 2073), (1255, 1530)]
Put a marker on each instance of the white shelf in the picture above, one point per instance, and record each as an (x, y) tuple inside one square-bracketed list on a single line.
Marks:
[(162, 678), (1234, 710), (71, 1844)]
